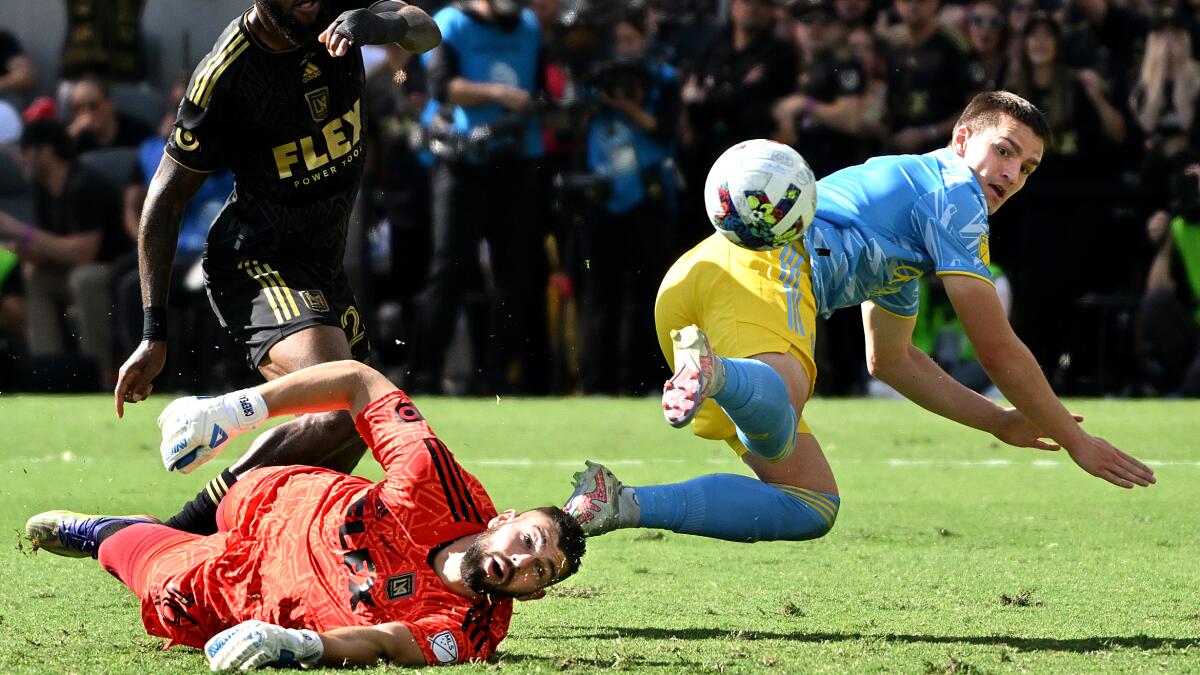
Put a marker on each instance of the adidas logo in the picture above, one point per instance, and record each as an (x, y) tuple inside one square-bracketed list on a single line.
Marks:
[(311, 72)]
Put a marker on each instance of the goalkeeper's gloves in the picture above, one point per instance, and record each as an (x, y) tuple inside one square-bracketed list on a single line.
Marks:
[(257, 644), (195, 429)]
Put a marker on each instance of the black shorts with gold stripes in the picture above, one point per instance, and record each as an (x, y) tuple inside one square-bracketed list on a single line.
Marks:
[(264, 299)]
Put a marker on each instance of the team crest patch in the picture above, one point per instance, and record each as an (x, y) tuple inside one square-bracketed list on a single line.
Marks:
[(318, 103), (985, 253), (400, 586), (315, 300), (444, 647)]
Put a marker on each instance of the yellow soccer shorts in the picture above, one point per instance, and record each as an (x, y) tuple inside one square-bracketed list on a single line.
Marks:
[(747, 302)]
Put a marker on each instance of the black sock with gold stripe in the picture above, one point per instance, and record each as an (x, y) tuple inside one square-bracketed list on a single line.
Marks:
[(199, 516)]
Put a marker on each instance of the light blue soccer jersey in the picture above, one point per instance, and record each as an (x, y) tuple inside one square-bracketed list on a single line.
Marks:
[(881, 225)]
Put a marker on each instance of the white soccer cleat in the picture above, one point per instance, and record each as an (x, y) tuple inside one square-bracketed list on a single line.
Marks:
[(195, 429), (698, 373), (595, 502)]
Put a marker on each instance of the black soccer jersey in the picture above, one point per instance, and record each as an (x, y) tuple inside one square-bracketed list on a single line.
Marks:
[(290, 125)]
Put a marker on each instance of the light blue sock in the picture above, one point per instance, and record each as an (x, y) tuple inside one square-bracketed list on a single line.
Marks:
[(756, 399), (737, 508)]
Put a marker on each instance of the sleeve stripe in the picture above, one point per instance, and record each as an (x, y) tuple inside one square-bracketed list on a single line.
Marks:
[(966, 274), (456, 482), (437, 463), (202, 88), (463, 483)]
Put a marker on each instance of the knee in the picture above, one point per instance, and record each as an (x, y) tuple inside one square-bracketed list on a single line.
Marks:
[(810, 515)]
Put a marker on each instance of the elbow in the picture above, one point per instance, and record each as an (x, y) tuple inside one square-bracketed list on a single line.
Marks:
[(877, 365), (423, 35)]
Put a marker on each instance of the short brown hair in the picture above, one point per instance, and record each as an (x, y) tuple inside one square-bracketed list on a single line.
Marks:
[(985, 109), (570, 538)]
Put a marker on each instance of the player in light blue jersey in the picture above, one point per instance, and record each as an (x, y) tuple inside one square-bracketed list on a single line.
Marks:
[(739, 325)]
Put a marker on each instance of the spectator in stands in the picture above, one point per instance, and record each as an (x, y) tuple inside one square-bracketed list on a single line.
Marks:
[(1074, 180), (1019, 12), (630, 141), (66, 254), (738, 77), (823, 118), (855, 14), (95, 121), (483, 79), (1107, 38), (187, 289), (934, 72), (1169, 317), (396, 196), (18, 79), (870, 51), (1163, 101), (986, 32)]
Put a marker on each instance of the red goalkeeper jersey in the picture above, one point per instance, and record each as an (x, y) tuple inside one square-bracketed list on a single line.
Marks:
[(305, 547)]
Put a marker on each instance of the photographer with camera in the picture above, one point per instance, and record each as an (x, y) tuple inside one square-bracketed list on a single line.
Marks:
[(631, 140), (483, 80)]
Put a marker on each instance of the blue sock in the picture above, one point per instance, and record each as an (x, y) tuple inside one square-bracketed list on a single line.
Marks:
[(756, 399), (737, 508)]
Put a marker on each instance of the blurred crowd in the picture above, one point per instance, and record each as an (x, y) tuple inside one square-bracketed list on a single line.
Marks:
[(515, 246)]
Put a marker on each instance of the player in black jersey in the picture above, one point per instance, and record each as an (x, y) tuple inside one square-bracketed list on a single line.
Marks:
[(278, 101)]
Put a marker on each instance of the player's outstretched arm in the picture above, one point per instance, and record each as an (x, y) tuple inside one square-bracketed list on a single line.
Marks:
[(1016, 373), (172, 187), (382, 23), (892, 357), (195, 429), (368, 645), (257, 644)]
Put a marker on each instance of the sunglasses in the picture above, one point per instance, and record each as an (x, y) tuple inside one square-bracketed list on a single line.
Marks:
[(993, 22)]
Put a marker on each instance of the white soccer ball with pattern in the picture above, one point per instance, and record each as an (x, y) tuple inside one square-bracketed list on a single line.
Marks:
[(761, 195)]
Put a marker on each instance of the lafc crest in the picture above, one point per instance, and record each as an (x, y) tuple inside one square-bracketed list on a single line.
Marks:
[(318, 104)]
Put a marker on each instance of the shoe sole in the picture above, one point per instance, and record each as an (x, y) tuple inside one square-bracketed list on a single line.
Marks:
[(687, 338)]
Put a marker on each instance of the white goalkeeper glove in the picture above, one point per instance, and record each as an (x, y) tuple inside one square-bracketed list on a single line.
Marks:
[(195, 429), (257, 644)]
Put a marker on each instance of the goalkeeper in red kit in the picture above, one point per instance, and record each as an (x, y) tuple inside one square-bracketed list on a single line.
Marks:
[(312, 566)]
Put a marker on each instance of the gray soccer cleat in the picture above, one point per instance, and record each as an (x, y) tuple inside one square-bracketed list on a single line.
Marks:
[(595, 503)]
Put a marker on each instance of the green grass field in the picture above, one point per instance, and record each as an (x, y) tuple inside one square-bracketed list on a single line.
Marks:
[(951, 553)]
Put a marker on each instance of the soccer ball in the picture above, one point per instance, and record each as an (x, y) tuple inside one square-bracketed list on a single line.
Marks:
[(761, 195)]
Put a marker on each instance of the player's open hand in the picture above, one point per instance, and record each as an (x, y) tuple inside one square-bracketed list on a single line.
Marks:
[(258, 644), (1101, 459), (195, 428), (136, 378), (1017, 429)]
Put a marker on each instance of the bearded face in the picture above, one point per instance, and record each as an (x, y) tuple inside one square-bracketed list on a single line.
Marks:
[(475, 568), (299, 21)]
